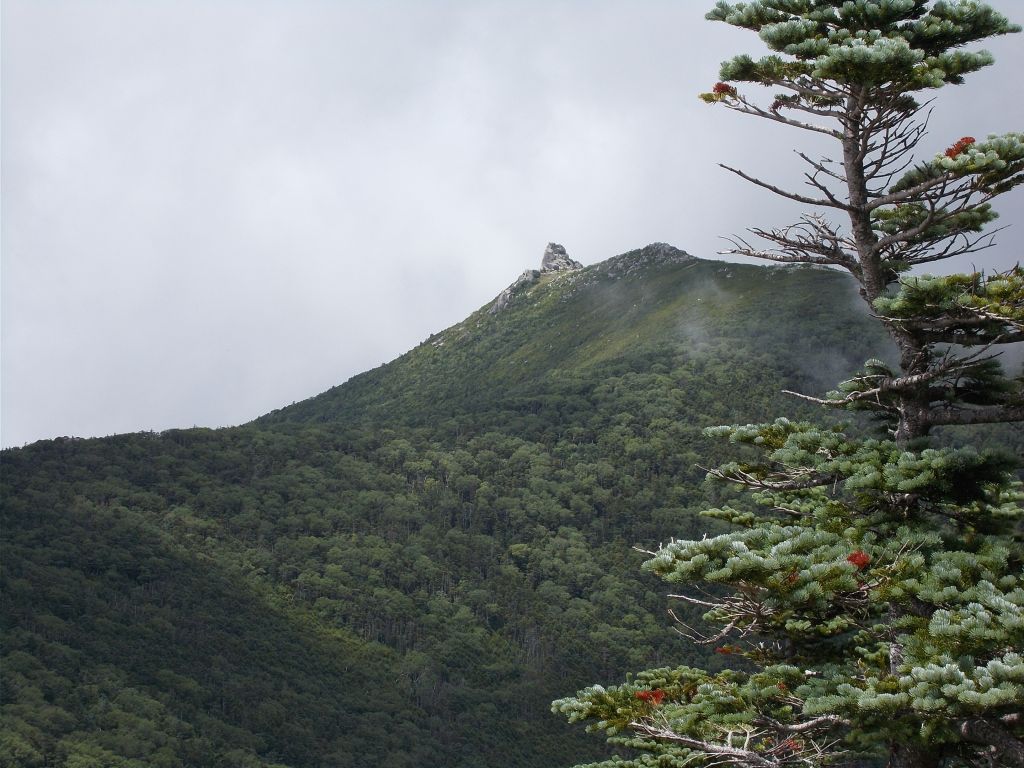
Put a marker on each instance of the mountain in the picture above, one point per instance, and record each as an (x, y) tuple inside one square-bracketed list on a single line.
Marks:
[(657, 306), (406, 569)]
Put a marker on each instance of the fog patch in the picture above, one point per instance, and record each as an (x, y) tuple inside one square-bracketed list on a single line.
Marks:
[(694, 335)]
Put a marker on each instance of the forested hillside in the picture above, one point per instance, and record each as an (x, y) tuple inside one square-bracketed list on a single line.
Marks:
[(407, 569)]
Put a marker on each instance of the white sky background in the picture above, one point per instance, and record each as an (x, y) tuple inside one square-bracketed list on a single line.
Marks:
[(213, 209)]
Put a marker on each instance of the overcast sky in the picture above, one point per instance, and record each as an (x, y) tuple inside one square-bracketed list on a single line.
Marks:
[(213, 209)]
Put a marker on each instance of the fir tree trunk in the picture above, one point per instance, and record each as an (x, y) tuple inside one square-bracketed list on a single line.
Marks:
[(913, 420), (870, 276), (913, 406)]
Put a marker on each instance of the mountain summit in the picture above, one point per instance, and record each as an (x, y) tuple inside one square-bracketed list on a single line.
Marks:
[(633, 310), (556, 259)]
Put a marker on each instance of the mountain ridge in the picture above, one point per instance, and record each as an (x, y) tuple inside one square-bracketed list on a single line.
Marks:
[(596, 333)]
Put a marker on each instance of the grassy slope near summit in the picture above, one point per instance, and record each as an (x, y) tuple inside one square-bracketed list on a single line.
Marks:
[(405, 570), (627, 313)]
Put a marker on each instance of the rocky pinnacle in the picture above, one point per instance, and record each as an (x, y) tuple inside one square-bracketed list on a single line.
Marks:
[(556, 259)]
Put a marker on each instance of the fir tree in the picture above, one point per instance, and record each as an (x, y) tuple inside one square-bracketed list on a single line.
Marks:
[(872, 595)]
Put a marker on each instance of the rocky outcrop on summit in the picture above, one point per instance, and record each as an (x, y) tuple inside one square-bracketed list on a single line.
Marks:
[(555, 260), (652, 255)]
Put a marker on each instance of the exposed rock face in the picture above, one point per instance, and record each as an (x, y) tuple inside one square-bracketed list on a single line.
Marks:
[(556, 259), (528, 277), (648, 256)]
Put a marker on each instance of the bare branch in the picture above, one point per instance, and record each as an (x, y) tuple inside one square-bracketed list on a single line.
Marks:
[(809, 725), (747, 108), (909, 194), (821, 166), (810, 241), (783, 193), (738, 756), (804, 479), (959, 244)]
